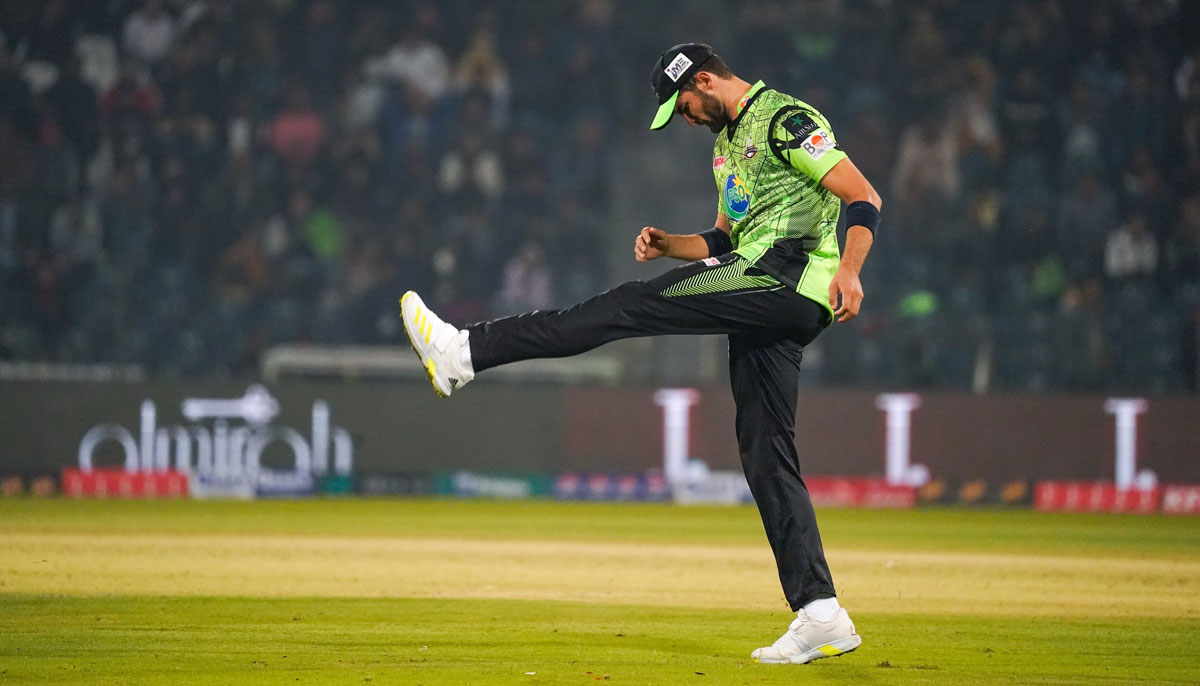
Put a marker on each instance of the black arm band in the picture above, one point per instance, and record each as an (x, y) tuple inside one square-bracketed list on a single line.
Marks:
[(717, 240), (862, 213)]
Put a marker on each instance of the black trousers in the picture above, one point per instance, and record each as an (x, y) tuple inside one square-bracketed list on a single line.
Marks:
[(768, 326)]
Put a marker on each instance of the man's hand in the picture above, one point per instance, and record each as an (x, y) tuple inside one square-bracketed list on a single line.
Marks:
[(651, 244), (850, 186), (845, 283)]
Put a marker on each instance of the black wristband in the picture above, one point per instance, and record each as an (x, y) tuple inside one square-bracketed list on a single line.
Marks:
[(717, 240), (862, 213)]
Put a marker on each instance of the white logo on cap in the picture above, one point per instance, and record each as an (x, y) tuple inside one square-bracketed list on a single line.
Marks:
[(677, 66)]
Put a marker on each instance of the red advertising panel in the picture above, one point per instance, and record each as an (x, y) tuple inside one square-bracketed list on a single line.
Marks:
[(114, 483), (1181, 499), (1087, 496), (850, 492)]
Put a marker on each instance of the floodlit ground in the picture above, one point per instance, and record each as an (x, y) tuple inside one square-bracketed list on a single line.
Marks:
[(469, 592)]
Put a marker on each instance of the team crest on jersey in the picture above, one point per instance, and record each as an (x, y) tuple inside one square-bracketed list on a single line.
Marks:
[(751, 149), (737, 198), (817, 144)]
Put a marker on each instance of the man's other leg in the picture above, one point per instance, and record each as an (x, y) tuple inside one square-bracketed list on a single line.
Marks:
[(764, 373)]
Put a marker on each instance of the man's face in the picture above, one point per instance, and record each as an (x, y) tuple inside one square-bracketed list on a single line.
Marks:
[(698, 107)]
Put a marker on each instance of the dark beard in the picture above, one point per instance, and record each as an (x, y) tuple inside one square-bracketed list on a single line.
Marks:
[(715, 116)]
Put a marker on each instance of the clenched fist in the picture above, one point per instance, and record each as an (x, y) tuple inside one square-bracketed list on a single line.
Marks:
[(651, 244)]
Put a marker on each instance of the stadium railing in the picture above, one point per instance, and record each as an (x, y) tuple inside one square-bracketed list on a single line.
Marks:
[(391, 362)]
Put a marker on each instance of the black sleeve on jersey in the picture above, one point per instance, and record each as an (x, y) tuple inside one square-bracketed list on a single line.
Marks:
[(790, 127)]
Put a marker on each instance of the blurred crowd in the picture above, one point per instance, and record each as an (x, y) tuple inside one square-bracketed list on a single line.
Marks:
[(1040, 169), (187, 182)]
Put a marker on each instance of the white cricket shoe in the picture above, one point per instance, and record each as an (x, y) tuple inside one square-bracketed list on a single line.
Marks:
[(808, 639), (438, 344)]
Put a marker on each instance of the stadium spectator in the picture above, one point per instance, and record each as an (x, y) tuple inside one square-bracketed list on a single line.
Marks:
[(481, 69), (527, 281), (583, 169), (528, 179), (416, 61), (75, 108), (409, 124), (17, 177), (16, 98), (129, 108), (470, 171), (148, 33), (316, 51), (533, 103), (1081, 328), (77, 234), (1143, 188), (53, 38), (244, 273), (1131, 251), (973, 116), (1085, 217), (872, 140), (1185, 253), (297, 131), (1083, 149), (351, 307), (586, 80), (926, 181)]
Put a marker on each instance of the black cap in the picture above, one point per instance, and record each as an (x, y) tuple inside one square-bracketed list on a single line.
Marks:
[(673, 69)]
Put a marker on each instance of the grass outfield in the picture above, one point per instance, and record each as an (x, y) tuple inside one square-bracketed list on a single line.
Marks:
[(477, 592)]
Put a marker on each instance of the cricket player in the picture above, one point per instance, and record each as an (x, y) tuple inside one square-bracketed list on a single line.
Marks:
[(768, 273)]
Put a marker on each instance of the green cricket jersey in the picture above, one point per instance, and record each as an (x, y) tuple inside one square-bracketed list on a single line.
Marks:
[(768, 164)]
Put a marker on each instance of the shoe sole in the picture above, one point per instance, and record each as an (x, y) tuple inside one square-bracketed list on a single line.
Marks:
[(832, 649), (430, 367)]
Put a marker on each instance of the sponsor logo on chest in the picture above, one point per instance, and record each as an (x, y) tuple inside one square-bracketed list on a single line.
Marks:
[(737, 198)]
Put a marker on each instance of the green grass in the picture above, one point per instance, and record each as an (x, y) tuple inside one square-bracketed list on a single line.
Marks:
[(411, 641), (70, 635)]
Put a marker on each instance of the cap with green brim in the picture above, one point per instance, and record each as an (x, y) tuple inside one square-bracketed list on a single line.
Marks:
[(672, 70)]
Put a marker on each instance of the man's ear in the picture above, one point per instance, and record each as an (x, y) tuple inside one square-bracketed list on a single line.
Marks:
[(704, 81)]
